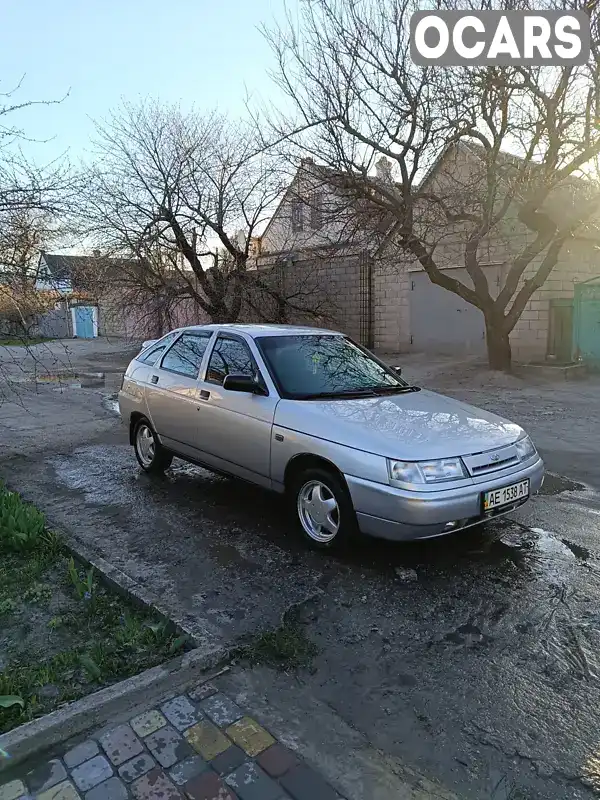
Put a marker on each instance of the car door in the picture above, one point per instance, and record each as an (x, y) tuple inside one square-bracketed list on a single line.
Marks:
[(172, 392), (237, 431)]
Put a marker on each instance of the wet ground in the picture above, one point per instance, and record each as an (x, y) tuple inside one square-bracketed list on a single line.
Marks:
[(475, 658)]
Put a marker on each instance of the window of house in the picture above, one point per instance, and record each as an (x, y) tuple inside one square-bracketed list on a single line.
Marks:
[(316, 211), (231, 357), (153, 353), (297, 215), (185, 357)]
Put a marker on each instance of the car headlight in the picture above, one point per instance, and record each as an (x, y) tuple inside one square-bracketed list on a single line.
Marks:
[(443, 469), (525, 448)]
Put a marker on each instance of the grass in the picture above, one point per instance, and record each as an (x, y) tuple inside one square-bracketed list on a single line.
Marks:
[(287, 647), (63, 633), (23, 341)]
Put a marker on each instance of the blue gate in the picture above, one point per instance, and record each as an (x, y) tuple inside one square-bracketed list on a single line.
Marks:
[(84, 322), (586, 323)]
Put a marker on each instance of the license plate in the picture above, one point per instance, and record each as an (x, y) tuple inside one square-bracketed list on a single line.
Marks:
[(496, 498)]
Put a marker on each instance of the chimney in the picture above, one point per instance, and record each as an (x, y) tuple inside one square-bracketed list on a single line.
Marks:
[(383, 169)]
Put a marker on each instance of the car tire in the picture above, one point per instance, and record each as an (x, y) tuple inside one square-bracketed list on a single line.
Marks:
[(323, 509), (151, 455)]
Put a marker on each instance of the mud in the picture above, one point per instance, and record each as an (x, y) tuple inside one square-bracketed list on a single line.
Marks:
[(482, 672)]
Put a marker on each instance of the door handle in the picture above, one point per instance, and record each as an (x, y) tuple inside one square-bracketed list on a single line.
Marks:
[(154, 379), (204, 395)]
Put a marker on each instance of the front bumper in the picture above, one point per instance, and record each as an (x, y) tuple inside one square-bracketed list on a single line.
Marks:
[(391, 513)]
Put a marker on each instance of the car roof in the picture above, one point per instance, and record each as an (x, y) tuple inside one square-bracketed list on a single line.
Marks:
[(264, 330)]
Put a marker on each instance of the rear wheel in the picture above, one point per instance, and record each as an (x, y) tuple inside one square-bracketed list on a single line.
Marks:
[(151, 456), (323, 508)]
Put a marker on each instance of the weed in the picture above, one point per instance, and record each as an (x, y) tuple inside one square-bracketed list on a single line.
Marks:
[(7, 606), (84, 587), (7, 701), (38, 593), (286, 647), (21, 524), (55, 622)]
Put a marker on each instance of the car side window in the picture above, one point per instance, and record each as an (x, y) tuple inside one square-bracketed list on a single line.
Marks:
[(185, 356), (230, 357), (153, 353)]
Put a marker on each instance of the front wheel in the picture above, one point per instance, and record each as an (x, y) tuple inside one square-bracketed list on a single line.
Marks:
[(151, 456), (323, 507)]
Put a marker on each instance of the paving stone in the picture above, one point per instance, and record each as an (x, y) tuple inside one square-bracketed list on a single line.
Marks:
[(155, 785), (188, 769), (91, 773), (221, 710), (231, 759), (251, 783), (12, 790), (303, 783), (137, 767), (148, 723), (62, 791), (202, 691), (121, 744), (208, 786), (168, 746), (249, 735), (277, 760), (80, 753), (112, 789), (180, 712), (46, 775), (207, 740)]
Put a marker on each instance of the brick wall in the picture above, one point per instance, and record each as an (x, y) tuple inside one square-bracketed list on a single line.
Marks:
[(391, 305), (330, 291)]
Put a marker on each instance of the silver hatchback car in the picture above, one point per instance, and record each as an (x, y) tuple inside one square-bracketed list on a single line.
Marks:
[(310, 413)]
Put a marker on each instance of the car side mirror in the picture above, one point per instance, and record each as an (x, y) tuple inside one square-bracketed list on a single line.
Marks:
[(242, 383), (397, 370)]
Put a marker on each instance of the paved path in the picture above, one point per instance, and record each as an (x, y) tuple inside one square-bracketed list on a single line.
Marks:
[(200, 745)]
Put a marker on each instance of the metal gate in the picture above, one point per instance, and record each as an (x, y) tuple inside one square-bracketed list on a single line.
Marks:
[(84, 322), (441, 321), (587, 322)]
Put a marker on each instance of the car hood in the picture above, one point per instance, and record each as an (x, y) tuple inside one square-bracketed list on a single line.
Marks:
[(411, 426)]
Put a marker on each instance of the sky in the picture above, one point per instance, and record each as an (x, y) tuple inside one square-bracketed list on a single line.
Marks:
[(191, 52)]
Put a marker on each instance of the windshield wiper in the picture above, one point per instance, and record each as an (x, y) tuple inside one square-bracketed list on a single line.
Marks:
[(346, 394), (395, 389)]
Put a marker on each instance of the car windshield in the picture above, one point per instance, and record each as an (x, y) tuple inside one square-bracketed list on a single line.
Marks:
[(307, 366)]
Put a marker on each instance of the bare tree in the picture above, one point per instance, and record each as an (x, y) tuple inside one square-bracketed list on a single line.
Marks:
[(523, 139), (183, 196), (31, 198)]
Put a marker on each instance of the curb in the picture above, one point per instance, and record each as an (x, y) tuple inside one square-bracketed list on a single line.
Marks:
[(98, 708), (129, 588)]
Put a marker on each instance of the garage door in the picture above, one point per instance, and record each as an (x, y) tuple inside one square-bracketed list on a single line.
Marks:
[(441, 321)]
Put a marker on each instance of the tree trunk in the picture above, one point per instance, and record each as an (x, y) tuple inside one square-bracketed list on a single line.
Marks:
[(498, 345)]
